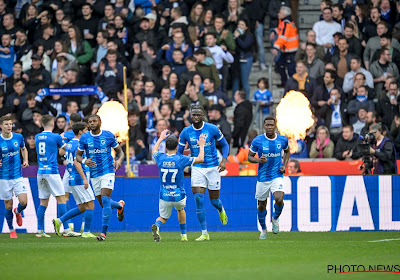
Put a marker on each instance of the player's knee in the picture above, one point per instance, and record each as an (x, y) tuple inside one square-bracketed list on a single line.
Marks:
[(105, 200), (8, 204), (23, 202), (261, 207), (199, 198)]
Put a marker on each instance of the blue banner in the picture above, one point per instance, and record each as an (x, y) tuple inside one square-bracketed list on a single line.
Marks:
[(68, 91), (318, 203)]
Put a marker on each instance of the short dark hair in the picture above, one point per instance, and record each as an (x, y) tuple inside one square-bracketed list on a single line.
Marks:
[(339, 6), (382, 51), (242, 94), (265, 81), (197, 107), (348, 24), (311, 44), (94, 116), (133, 112), (87, 4), (332, 73), (200, 51), (386, 35), (75, 117), (79, 126), (356, 58), (211, 80), (349, 126), (171, 143), (212, 34), (221, 16), (270, 118), (328, 8), (47, 119)]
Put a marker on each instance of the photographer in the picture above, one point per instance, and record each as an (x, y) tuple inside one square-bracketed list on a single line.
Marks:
[(384, 152)]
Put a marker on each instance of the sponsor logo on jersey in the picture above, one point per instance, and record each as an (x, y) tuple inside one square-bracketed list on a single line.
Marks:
[(42, 137), (168, 164), (271, 155), (11, 154), (98, 151)]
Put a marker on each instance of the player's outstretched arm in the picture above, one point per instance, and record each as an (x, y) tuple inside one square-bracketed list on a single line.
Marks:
[(286, 157), (25, 162), (79, 168), (61, 151), (201, 142), (164, 135)]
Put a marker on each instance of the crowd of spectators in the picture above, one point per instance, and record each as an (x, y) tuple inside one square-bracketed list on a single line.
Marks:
[(178, 53)]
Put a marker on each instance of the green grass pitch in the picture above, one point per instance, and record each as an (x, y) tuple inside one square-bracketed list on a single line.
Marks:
[(228, 255)]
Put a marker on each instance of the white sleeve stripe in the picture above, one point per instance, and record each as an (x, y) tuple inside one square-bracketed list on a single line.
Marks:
[(222, 136), (252, 151), (63, 146), (80, 149), (182, 144), (116, 146)]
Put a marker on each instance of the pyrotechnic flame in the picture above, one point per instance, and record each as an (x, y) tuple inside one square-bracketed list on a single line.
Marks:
[(114, 118), (294, 117)]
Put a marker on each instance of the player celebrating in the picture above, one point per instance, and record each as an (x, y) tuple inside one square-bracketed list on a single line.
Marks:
[(79, 186), (172, 191), (11, 145), (269, 147), (48, 177), (206, 174), (68, 136), (97, 145)]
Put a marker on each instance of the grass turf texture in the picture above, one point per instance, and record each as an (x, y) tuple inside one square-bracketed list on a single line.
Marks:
[(228, 255)]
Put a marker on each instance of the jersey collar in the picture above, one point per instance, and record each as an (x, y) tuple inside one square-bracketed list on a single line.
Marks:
[(101, 131), (7, 138), (269, 138), (198, 128)]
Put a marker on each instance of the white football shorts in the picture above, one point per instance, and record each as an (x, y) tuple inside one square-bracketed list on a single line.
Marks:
[(65, 181), (165, 207), (103, 182), (50, 184), (263, 188), (82, 195), (8, 187), (208, 177)]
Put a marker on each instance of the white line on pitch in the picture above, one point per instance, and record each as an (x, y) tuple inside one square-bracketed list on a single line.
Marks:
[(384, 240)]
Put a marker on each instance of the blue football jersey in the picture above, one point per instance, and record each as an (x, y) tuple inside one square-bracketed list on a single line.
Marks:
[(170, 169), (272, 150), (70, 153), (69, 135), (99, 147), (11, 156), (191, 135), (47, 145)]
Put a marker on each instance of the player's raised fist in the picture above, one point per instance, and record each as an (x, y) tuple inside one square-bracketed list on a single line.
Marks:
[(164, 134)]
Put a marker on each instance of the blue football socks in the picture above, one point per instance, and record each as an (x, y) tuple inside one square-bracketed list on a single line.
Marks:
[(40, 217), (200, 210), (9, 218), (278, 211), (261, 218), (61, 210), (217, 204), (115, 205), (88, 220), (20, 208), (159, 223), (183, 228), (69, 215), (106, 213)]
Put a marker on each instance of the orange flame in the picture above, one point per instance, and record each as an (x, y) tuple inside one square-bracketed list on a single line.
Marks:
[(294, 117), (114, 118)]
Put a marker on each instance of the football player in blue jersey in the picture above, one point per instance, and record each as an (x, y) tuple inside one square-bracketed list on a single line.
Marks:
[(206, 174), (68, 136), (97, 145), (48, 145), (172, 190), (12, 146), (269, 147), (79, 186)]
